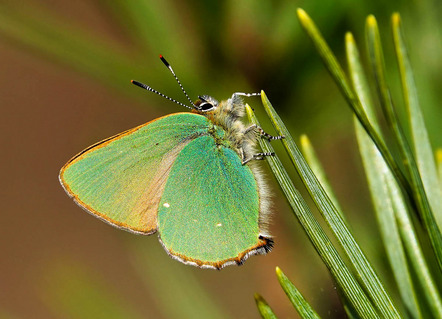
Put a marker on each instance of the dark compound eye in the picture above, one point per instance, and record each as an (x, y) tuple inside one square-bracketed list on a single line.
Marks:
[(206, 106)]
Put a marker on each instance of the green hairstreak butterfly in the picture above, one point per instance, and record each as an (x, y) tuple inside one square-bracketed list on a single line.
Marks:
[(190, 177)]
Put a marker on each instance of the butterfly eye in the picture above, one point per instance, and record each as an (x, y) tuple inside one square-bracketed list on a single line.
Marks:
[(206, 106)]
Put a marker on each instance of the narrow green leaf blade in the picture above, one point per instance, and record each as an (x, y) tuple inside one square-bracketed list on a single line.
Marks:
[(338, 269), (296, 298), (414, 250), (421, 142), (315, 164), (338, 75), (418, 192), (365, 271), (377, 174), (439, 163), (312, 159), (264, 309)]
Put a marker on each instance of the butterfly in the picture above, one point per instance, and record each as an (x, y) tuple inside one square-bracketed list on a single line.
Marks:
[(191, 177)]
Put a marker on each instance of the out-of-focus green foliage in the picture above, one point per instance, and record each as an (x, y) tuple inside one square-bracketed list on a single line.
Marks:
[(218, 47)]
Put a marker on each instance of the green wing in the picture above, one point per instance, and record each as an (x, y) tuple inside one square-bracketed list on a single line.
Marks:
[(209, 211), (121, 179)]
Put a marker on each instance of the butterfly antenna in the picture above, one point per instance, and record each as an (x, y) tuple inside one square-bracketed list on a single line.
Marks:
[(176, 78), (147, 87)]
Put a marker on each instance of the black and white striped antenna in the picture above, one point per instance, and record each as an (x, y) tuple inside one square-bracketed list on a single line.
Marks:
[(147, 87)]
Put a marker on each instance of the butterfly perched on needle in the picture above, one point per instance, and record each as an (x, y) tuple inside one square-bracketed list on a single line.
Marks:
[(191, 177)]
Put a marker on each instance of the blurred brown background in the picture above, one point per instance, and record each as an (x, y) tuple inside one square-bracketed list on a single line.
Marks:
[(65, 78)]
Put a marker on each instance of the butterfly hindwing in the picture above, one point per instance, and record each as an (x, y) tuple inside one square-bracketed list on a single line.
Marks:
[(209, 211), (121, 179)]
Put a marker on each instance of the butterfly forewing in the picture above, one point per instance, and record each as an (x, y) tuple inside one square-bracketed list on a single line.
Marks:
[(121, 179)]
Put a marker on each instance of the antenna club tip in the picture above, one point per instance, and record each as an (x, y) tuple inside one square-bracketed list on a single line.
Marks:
[(138, 84), (164, 61)]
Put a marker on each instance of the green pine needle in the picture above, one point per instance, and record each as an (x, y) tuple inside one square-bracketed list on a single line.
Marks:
[(338, 269), (264, 309), (296, 298), (422, 147), (364, 270), (417, 188), (336, 71), (313, 161), (382, 185)]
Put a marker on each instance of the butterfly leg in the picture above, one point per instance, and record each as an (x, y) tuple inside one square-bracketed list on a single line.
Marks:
[(253, 128), (257, 156), (245, 94)]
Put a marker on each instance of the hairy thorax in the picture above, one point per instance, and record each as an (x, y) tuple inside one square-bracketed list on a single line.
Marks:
[(229, 130)]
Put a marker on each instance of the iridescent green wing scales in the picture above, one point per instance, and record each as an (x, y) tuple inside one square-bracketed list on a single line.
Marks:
[(121, 179), (209, 211)]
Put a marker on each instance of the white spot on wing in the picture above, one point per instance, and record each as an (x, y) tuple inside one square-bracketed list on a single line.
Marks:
[(167, 205), (219, 225)]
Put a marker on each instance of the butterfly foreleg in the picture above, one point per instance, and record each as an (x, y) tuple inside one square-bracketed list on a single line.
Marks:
[(234, 95), (255, 129), (257, 156)]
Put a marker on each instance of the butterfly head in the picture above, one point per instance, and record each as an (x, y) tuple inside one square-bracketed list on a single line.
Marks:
[(205, 104)]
